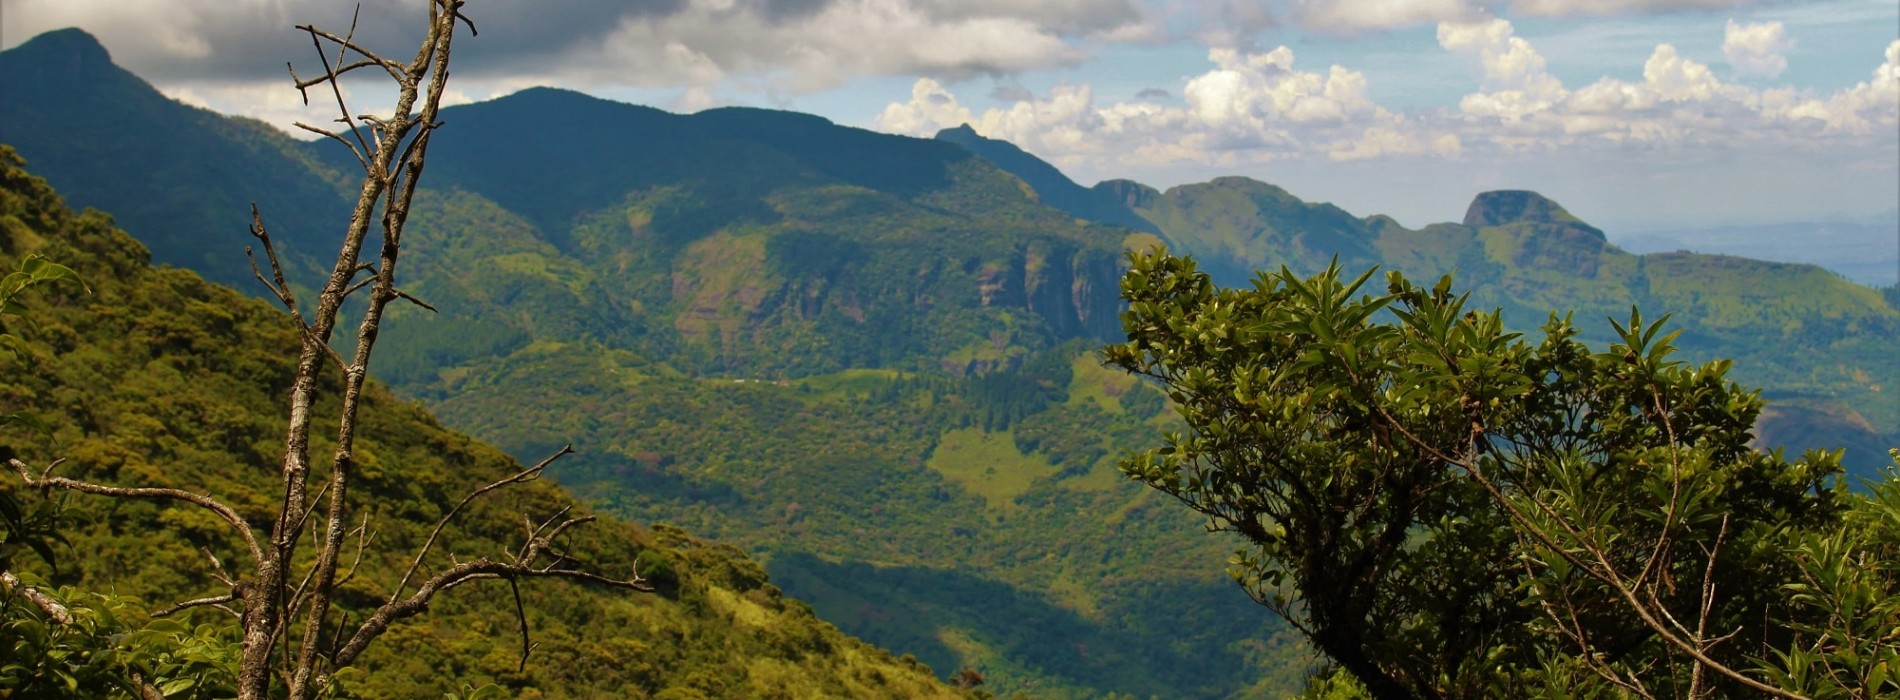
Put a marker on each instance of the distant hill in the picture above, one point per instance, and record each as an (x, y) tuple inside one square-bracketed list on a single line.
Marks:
[(751, 242), (1867, 251), (1820, 346), (183, 178), (159, 378)]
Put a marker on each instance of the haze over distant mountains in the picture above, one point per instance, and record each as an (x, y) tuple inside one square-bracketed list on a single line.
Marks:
[(1866, 251), (867, 358)]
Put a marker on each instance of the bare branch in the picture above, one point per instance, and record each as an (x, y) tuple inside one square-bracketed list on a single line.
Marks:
[(418, 302), (363, 538), (153, 494), (360, 159), (521, 614), (523, 476), (277, 284), (395, 70), (217, 568), (389, 613), (1600, 569), (51, 608), (217, 601)]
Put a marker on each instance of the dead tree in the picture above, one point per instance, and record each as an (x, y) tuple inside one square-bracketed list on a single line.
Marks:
[(291, 634)]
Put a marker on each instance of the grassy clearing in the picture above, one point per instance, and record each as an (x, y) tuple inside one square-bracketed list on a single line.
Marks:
[(851, 381), (987, 464), (1092, 382)]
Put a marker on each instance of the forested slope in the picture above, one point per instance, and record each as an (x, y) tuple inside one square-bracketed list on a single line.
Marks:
[(156, 377)]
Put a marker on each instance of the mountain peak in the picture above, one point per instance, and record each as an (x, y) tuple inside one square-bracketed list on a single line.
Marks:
[(964, 131), (1501, 207), (72, 44)]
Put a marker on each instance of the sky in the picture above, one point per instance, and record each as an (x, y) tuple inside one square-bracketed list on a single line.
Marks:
[(1634, 114)]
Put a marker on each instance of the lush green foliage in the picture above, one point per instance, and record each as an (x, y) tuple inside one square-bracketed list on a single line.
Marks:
[(1448, 510), (159, 378), (110, 648)]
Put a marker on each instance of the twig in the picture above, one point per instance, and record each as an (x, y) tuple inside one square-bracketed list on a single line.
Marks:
[(521, 614), (215, 601)]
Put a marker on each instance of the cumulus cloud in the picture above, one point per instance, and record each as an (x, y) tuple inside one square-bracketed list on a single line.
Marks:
[(1362, 16), (931, 107), (1249, 107), (1755, 49), (793, 44), (1255, 107), (1558, 8), (1356, 16), (1679, 100), (1520, 85)]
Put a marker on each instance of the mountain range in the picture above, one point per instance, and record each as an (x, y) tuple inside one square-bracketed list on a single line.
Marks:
[(867, 359)]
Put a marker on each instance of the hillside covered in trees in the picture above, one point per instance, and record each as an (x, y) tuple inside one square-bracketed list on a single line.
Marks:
[(153, 377)]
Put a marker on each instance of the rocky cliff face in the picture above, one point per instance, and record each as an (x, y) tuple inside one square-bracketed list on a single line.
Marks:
[(1131, 194), (1073, 290)]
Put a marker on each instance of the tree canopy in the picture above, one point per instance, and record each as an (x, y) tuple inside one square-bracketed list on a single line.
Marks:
[(1447, 508)]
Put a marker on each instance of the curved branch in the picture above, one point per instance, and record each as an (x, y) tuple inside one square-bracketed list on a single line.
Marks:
[(216, 601), (523, 476), (152, 494), (418, 603)]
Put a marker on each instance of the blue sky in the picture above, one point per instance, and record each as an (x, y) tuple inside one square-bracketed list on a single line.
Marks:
[(1636, 114)]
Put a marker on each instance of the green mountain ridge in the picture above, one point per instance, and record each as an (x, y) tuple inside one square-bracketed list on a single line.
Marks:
[(761, 243), (1052, 187), (1820, 346), (158, 378), (182, 177)]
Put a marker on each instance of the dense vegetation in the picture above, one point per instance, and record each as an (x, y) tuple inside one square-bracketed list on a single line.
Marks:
[(156, 377), (913, 510), (1446, 509)]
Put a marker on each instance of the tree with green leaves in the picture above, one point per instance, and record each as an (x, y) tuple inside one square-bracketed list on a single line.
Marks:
[(1446, 508)]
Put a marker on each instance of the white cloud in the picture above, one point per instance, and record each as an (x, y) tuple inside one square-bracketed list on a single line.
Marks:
[(1520, 84), (791, 45), (1252, 108), (1872, 106), (1756, 49), (1356, 16), (1361, 16), (1559, 8), (930, 108)]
